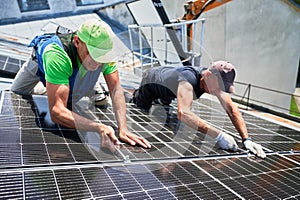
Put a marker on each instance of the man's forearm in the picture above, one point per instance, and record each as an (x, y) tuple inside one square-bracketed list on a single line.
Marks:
[(238, 122), (234, 114), (193, 121), (119, 107), (71, 119)]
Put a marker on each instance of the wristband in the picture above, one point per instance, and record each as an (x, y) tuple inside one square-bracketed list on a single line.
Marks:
[(246, 139), (219, 137)]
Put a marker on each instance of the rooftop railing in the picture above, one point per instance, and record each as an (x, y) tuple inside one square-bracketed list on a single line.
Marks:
[(251, 102), (144, 48)]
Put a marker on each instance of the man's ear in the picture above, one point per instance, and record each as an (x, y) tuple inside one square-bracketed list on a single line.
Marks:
[(202, 84), (206, 73), (76, 40)]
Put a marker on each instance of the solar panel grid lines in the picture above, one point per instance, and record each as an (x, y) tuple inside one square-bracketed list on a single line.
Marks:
[(281, 146), (259, 186), (269, 177), (280, 183), (269, 132), (289, 178), (254, 120), (34, 154), (37, 182), (270, 125), (10, 65), (152, 127), (11, 186), (124, 180), (178, 167), (101, 180), (161, 193), (216, 117), (189, 146), (81, 154), (178, 138), (135, 170), (10, 155), (177, 188), (71, 184), (295, 157), (272, 135), (231, 181), (220, 189)]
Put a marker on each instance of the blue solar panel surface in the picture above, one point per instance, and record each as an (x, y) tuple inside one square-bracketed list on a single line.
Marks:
[(42, 160)]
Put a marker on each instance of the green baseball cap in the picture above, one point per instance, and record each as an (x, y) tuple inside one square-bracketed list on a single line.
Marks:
[(98, 37)]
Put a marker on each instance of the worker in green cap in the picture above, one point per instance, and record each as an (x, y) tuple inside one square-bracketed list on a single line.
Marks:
[(69, 66)]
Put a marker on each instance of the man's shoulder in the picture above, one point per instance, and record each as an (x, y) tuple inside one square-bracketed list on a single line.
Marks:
[(194, 68), (54, 47), (55, 55), (54, 51), (182, 68), (109, 68)]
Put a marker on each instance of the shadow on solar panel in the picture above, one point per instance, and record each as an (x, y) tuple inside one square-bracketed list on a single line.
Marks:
[(169, 138)]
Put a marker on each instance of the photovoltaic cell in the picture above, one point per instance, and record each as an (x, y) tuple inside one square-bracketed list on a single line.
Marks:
[(10, 155), (99, 182), (167, 179), (9, 66), (161, 194), (34, 154), (11, 186), (37, 182), (71, 184), (40, 162)]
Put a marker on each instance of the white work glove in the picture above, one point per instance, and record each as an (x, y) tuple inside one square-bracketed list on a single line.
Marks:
[(226, 142), (254, 148)]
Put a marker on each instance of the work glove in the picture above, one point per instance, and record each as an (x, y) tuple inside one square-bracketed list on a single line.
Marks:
[(254, 147), (226, 142)]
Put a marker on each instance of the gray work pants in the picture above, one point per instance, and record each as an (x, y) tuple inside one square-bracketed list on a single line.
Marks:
[(26, 81)]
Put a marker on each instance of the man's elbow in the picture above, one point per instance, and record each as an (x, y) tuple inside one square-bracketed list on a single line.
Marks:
[(232, 110), (54, 114), (182, 114)]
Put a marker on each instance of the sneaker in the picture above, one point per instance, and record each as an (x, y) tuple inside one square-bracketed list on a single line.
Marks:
[(133, 98), (128, 97), (162, 102), (101, 98)]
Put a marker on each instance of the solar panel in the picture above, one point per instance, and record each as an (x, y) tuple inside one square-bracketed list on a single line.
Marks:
[(40, 160), (9, 66), (219, 178)]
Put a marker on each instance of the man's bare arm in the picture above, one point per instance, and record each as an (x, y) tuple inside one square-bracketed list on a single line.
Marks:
[(185, 98), (233, 113), (60, 114), (238, 121)]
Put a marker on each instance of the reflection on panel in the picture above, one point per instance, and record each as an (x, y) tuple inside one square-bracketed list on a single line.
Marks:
[(41, 160)]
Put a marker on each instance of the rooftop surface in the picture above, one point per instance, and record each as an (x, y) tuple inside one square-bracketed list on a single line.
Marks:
[(42, 160)]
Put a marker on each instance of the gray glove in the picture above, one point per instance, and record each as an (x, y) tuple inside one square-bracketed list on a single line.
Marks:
[(254, 147), (226, 142)]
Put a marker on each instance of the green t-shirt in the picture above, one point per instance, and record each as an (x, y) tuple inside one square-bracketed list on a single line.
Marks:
[(58, 65)]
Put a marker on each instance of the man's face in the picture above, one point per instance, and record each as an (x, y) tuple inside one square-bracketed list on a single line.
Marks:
[(209, 82), (86, 60)]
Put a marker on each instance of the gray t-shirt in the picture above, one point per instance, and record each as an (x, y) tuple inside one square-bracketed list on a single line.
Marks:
[(165, 80)]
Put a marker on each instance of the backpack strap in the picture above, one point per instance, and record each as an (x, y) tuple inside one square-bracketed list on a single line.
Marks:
[(63, 30), (69, 47)]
